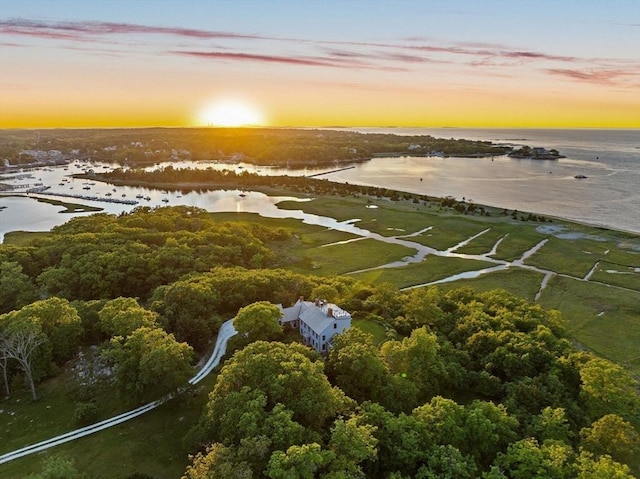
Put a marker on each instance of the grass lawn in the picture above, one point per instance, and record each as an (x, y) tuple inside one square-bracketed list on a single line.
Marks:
[(374, 328), (431, 269), (150, 444)]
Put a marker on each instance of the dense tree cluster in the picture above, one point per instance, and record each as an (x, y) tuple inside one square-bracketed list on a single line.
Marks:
[(467, 385), (106, 256)]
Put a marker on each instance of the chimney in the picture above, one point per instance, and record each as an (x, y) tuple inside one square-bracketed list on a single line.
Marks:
[(330, 312), (301, 299)]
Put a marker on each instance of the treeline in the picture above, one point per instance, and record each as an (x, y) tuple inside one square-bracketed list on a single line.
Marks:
[(264, 146)]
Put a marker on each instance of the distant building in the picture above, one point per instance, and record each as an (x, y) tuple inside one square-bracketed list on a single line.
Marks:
[(317, 321)]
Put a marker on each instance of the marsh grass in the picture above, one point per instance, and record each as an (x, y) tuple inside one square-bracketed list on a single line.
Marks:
[(361, 254), (432, 268), (520, 282), (603, 319)]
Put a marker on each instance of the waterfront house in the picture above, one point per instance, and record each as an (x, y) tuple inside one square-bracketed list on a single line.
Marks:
[(318, 322)]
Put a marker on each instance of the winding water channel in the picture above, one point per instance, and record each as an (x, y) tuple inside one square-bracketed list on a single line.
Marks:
[(26, 213)]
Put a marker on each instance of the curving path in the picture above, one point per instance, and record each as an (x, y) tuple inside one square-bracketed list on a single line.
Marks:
[(226, 332)]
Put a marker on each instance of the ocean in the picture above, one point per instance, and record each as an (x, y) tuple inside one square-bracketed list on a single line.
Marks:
[(608, 196)]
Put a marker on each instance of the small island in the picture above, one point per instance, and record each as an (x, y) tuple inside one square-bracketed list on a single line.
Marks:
[(536, 153)]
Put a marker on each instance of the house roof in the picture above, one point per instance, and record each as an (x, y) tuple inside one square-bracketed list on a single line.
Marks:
[(292, 313), (317, 317)]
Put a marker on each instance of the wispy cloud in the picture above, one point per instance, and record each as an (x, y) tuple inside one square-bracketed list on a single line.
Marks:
[(80, 30), (347, 62), (602, 77), (258, 58), (404, 55)]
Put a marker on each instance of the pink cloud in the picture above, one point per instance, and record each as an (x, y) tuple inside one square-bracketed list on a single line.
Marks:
[(79, 30), (599, 76)]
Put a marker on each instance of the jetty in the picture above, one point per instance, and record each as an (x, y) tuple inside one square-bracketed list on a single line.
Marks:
[(330, 171)]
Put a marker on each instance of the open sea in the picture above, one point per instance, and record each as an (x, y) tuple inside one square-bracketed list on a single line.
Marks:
[(609, 196)]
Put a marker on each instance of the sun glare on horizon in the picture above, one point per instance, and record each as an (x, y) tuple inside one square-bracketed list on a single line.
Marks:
[(231, 113)]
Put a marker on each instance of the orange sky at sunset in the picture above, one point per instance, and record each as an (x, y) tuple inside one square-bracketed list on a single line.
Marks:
[(359, 63)]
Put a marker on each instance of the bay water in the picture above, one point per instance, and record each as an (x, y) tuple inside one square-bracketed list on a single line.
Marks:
[(608, 196)]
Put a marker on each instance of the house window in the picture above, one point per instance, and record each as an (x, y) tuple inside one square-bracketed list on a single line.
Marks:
[(323, 338), (335, 325), (324, 346)]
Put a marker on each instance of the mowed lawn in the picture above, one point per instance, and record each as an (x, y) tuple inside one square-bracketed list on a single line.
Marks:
[(151, 444)]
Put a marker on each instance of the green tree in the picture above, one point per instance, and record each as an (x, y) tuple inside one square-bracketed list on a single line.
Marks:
[(149, 363), (122, 316), (284, 373), (613, 436), (417, 357), (298, 462), (218, 462), (356, 367), (526, 459), (444, 418), (604, 467), (60, 322), (552, 423), (352, 443), (58, 467), (16, 288), (608, 388), (259, 321), (447, 462), (188, 309), (327, 292), (488, 429)]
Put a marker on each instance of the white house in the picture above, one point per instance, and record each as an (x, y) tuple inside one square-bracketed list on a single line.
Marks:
[(317, 321)]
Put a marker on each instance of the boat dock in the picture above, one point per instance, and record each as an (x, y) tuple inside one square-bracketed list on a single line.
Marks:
[(87, 197)]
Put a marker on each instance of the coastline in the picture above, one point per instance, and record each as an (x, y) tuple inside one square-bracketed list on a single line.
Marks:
[(284, 191)]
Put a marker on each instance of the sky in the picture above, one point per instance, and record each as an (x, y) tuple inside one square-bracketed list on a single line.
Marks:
[(418, 63)]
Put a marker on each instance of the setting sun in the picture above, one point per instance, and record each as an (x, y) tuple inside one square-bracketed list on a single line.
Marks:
[(231, 113)]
